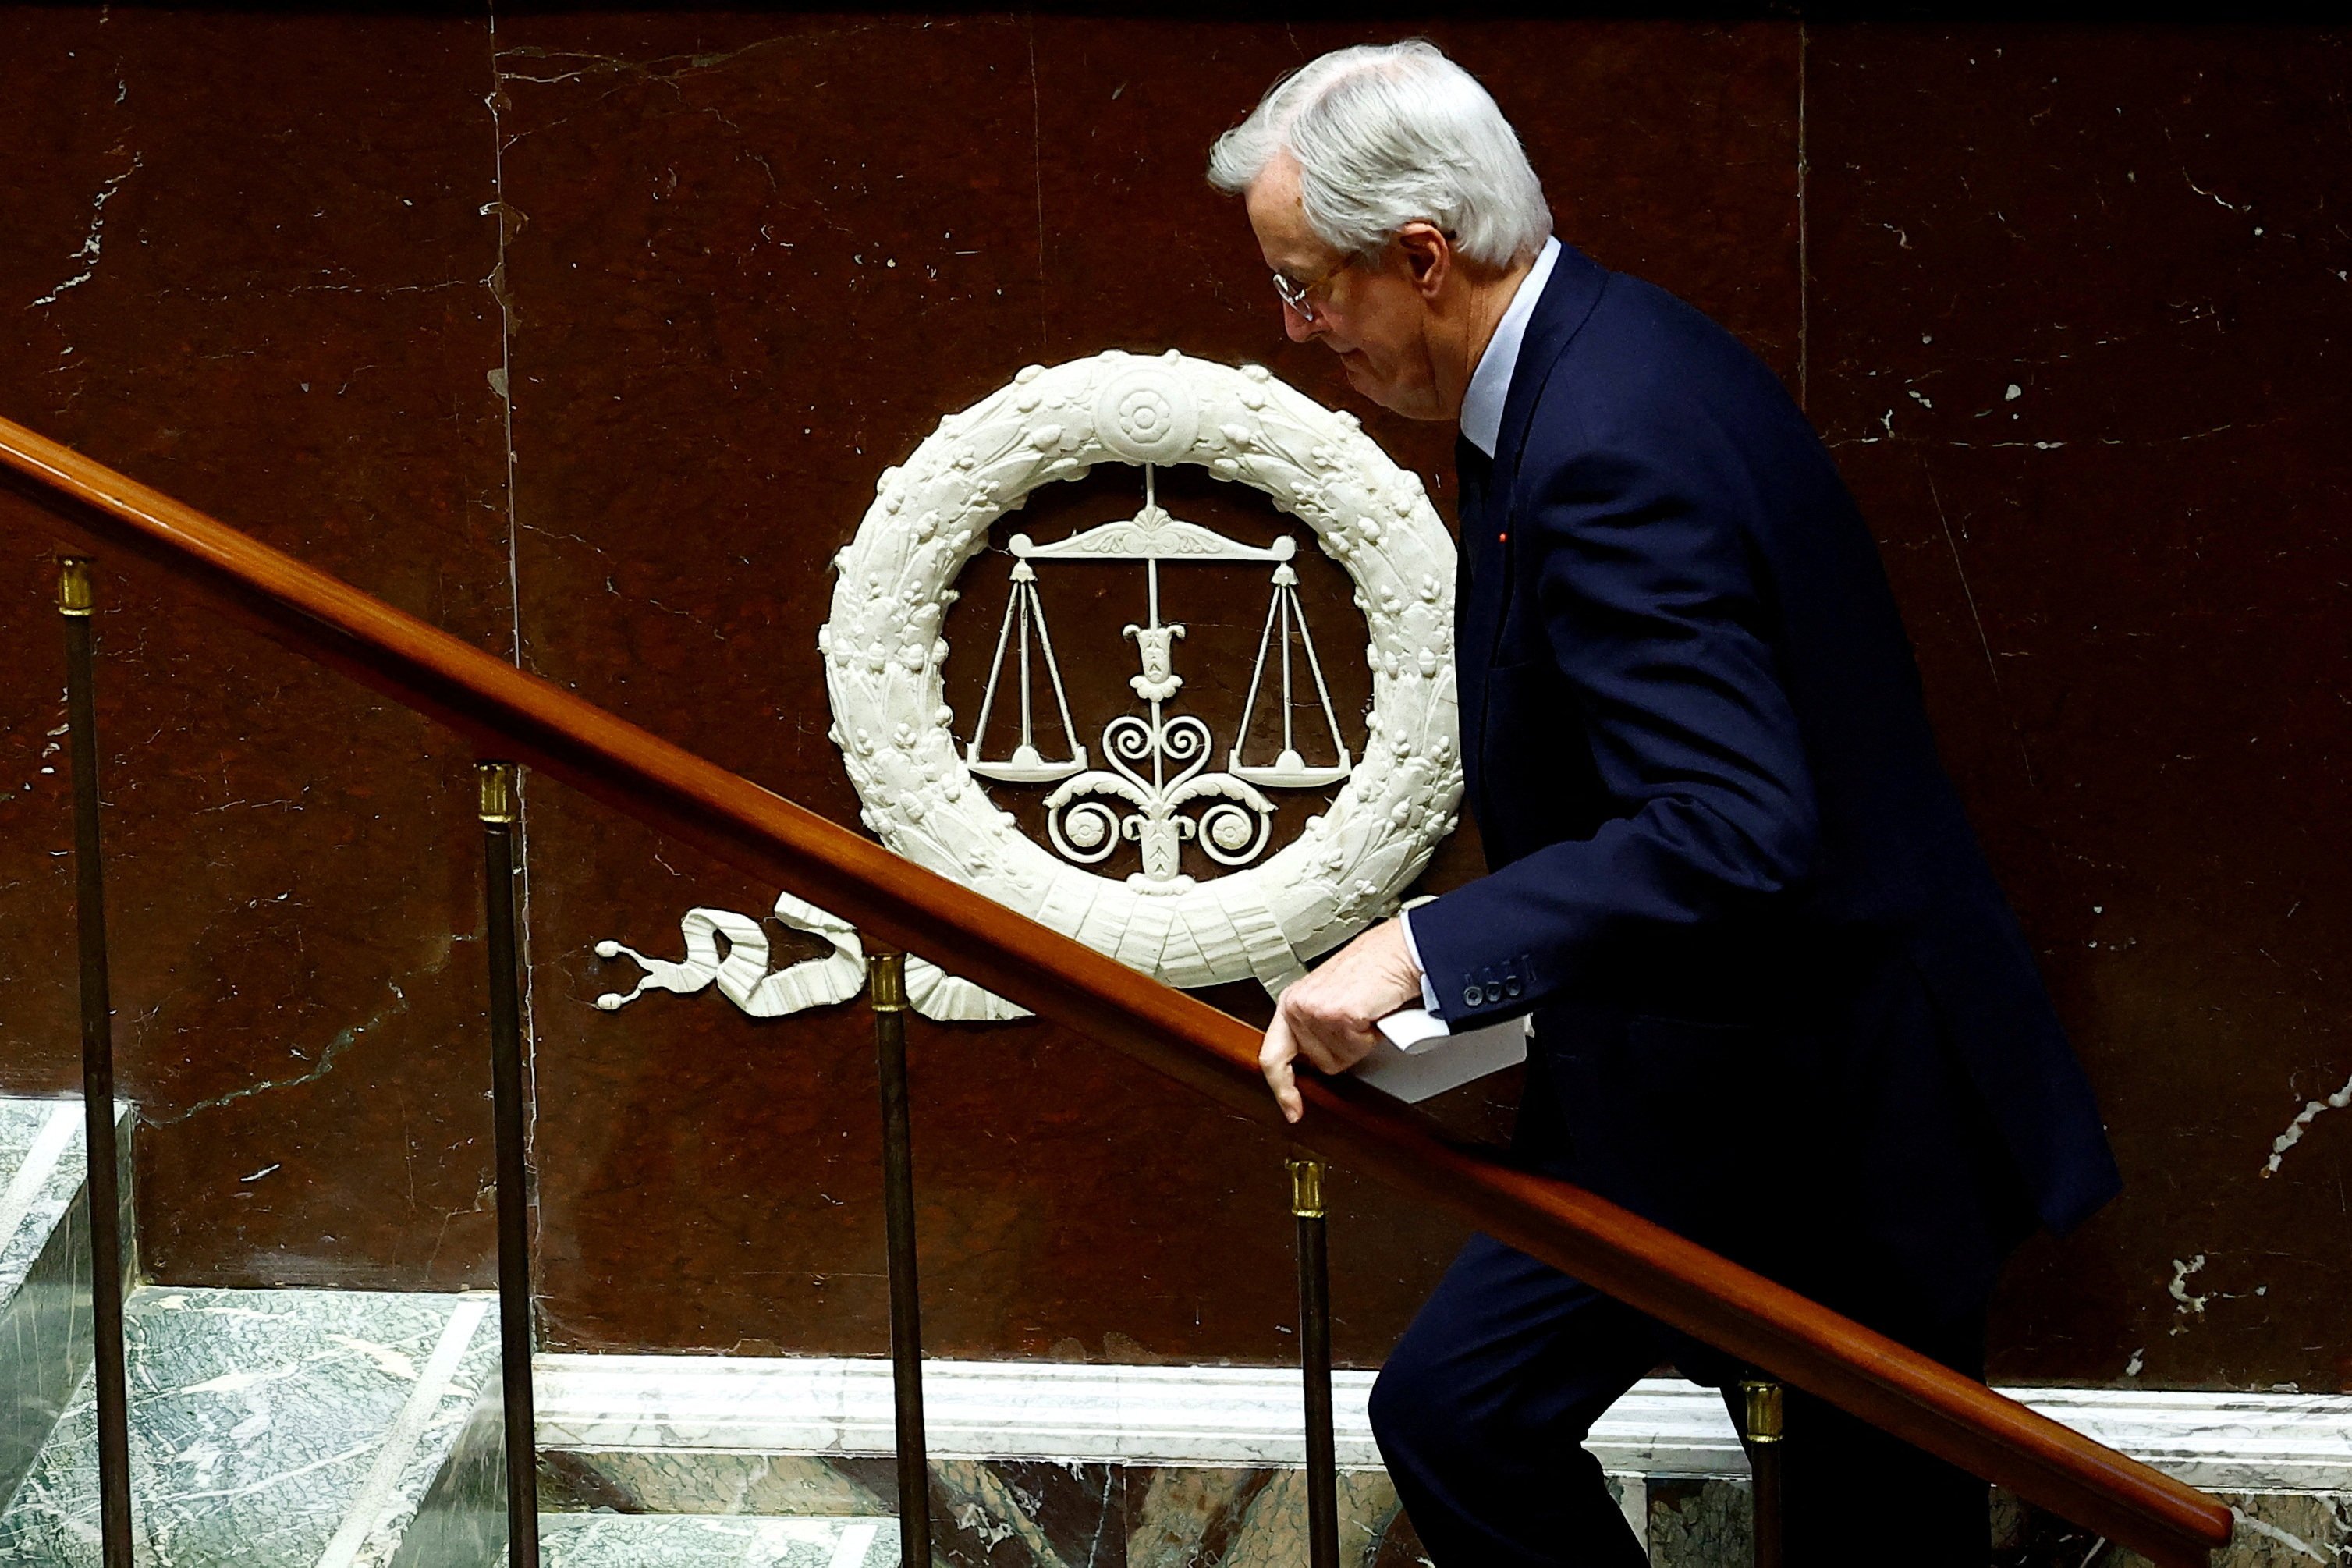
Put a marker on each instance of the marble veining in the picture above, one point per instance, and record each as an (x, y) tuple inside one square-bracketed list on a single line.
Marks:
[(1691, 1523), (1009, 1512), (271, 1428), (461, 1520), (1251, 1416), (685, 1540), (715, 1481), (1200, 1415), (422, 1436), (40, 1171)]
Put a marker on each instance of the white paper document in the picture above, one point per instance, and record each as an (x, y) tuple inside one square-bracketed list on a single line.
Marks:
[(1418, 1057)]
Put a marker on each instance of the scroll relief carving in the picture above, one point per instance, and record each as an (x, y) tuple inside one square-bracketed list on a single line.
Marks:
[(1150, 777)]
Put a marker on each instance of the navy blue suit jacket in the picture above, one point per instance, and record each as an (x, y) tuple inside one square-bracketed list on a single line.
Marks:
[(1780, 1003)]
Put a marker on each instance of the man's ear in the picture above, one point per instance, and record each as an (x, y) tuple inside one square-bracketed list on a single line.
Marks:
[(1429, 255)]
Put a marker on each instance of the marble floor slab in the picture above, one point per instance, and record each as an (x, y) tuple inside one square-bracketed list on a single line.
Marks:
[(689, 1540), (269, 1429), (461, 1520)]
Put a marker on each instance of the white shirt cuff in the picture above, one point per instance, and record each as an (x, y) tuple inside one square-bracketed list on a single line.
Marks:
[(1412, 950)]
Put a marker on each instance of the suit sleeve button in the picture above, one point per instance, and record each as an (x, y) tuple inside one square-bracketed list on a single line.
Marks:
[(1494, 991), (1472, 996), (1511, 987)]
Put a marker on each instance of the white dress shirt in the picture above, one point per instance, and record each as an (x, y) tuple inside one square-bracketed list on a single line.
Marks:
[(1482, 426), (1490, 383)]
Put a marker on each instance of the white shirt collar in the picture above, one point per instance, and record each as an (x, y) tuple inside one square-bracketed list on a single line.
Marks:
[(1490, 383)]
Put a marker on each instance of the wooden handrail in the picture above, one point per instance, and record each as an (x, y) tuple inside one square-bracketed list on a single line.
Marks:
[(514, 716)]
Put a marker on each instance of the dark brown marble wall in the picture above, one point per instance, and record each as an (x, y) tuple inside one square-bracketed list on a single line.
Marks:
[(731, 267), (243, 261), (2078, 323)]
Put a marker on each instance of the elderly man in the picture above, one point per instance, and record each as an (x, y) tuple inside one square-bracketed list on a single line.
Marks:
[(1780, 1004)]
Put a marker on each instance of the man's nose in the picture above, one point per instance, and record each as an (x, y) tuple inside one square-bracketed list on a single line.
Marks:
[(1296, 327)]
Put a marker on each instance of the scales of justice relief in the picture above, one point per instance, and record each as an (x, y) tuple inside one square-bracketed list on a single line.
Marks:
[(1150, 780), (1238, 820)]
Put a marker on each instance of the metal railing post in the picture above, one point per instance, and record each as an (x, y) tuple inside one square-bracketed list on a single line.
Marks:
[(77, 603), (886, 976), (500, 806), (1315, 1364), (1756, 1410)]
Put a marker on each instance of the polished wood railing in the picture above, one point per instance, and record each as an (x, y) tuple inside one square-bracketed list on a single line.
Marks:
[(513, 715)]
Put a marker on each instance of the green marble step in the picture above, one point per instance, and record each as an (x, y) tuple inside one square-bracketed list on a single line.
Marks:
[(714, 1540), (276, 1429), (45, 1336)]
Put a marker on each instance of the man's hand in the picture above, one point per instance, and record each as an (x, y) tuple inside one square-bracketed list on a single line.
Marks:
[(1329, 1016)]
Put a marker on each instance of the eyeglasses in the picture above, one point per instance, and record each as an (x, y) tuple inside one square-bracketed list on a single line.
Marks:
[(1298, 296)]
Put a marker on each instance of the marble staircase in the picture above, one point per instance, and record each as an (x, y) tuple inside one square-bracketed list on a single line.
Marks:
[(346, 1429), (297, 1429), (290, 1428), (269, 1429), (274, 1428)]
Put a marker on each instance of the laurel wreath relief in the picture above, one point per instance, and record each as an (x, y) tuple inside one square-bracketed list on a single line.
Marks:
[(886, 655)]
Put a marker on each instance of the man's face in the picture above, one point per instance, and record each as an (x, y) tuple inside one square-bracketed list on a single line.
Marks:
[(1372, 313)]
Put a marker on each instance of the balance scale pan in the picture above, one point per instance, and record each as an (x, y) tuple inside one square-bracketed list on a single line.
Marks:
[(1288, 771), (1025, 766)]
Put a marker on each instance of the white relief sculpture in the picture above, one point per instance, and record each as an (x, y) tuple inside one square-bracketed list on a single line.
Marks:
[(1233, 830), (1025, 765), (1288, 769), (743, 977), (920, 789)]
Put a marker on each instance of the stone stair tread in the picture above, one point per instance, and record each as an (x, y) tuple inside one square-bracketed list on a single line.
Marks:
[(45, 1266), (714, 1540), (281, 1428), (41, 1169)]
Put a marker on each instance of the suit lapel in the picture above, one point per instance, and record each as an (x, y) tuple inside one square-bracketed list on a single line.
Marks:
[(1567, 300), (1473, 586)]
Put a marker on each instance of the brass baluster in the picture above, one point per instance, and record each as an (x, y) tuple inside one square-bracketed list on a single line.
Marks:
[(887, 978), (1757, 1409), (1315, 1364), (77, 603), (500, 809)]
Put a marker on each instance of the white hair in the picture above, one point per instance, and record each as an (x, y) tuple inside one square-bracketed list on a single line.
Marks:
[(1389, 134)]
